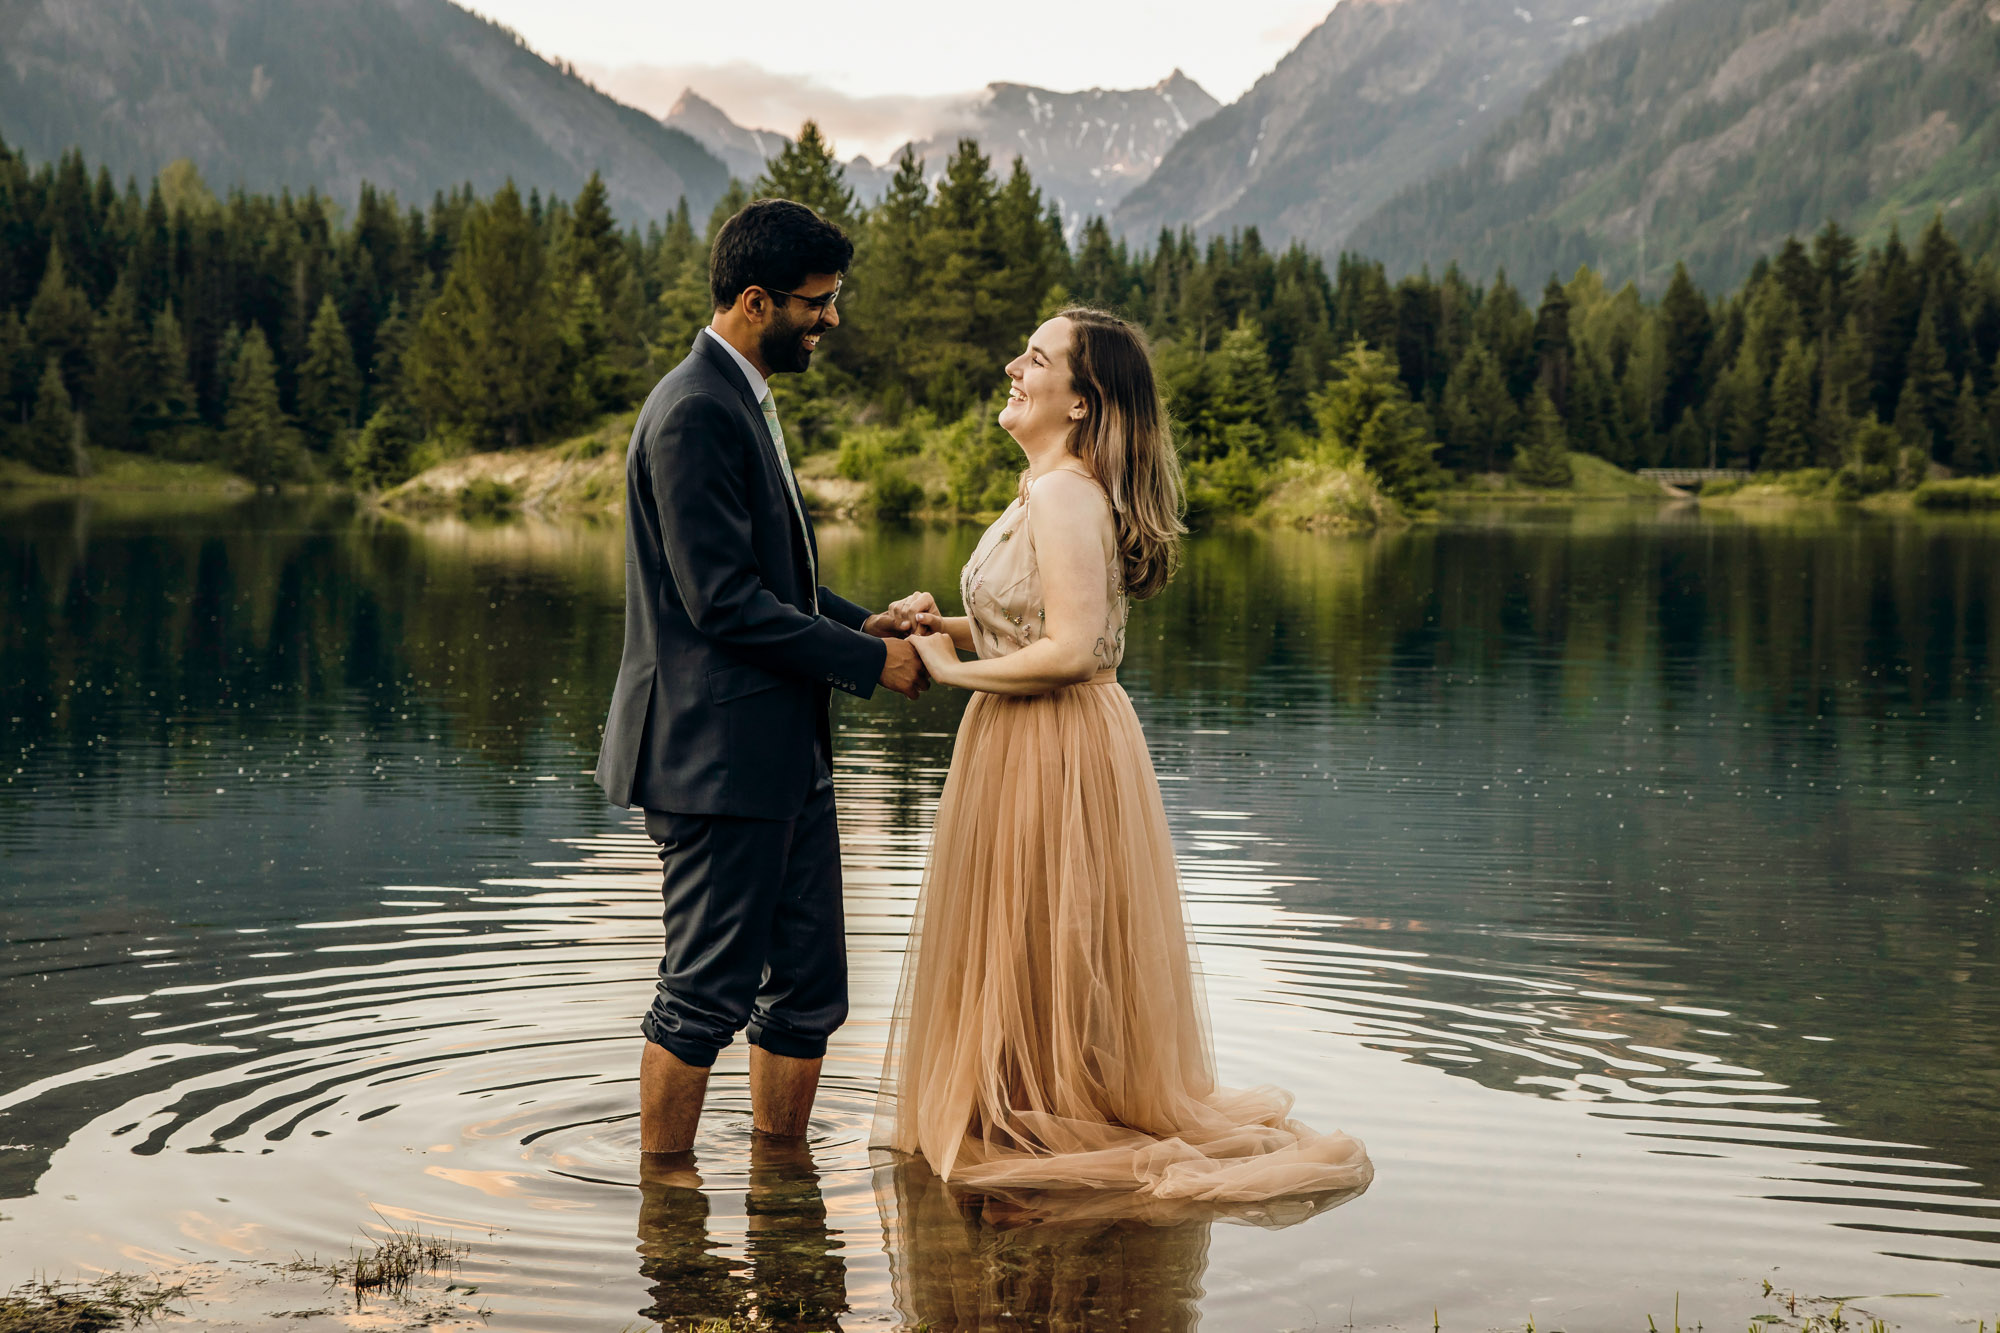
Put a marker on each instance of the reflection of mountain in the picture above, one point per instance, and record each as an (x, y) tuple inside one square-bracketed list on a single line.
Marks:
[(1376, 97), (412, 95)]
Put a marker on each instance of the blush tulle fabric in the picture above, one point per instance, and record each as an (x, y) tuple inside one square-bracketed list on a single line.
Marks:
[(1050, 1030)]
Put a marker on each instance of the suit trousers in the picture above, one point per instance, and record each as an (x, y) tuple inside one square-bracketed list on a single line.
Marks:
[(755, 933)]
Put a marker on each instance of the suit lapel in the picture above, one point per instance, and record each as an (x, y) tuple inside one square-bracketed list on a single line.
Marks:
[(808, 549)]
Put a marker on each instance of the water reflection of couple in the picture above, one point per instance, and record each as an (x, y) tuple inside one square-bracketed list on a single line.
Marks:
[(1050, 1029), (957, 1259)]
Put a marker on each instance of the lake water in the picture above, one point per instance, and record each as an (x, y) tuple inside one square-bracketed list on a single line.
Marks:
[(1627, 878)]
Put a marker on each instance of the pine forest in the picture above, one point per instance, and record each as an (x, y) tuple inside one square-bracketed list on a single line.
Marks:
[(291, 340)]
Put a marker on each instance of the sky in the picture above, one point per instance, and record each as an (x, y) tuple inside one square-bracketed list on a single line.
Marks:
[(876, 73)]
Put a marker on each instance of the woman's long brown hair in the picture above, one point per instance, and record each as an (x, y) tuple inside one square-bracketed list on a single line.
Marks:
[(1123, 439)]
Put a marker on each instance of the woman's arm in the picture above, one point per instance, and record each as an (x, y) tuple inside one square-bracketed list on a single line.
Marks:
[(1071, 529)]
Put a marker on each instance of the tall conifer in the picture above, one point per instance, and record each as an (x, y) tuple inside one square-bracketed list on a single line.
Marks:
[(50, 438), (258, 439), (329, 394), (1788, 438), (1543, 461)]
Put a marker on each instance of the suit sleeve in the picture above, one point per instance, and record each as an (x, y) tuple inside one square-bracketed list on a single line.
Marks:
[(696, 462), (839, 608)]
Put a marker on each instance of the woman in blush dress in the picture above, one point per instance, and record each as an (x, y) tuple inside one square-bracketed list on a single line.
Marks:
[(1050, 1030)]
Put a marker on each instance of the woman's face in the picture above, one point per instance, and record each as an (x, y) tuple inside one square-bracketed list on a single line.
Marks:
[(1040, 399)]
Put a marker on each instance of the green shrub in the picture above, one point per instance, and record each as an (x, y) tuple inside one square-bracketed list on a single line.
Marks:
[(1959, 493), (381, 453), (483, 497), (1232, 484), (892, 494), (982, 464), (865, 449)]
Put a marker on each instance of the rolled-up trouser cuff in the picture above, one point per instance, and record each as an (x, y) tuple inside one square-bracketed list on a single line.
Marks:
[(694, 1053), (780, 1042)]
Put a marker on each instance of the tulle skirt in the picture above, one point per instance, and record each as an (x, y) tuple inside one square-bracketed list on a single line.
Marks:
[(1050, 1030)]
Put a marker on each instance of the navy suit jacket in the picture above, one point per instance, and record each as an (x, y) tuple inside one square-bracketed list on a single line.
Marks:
[(727, 672)]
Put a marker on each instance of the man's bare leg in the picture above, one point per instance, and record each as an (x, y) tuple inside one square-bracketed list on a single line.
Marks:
[(781, 1092), (670, 1096)]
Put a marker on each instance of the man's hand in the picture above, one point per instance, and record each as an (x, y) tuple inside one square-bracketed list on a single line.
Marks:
[(903, 670), (902, 618)]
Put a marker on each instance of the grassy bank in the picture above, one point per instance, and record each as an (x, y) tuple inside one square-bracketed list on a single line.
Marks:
[(1825, 486), (1591, 478), (112, 471)]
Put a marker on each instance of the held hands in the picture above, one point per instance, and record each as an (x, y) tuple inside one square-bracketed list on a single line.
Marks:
[(916, 614), (903, 669), (936, 650), (918, 648)]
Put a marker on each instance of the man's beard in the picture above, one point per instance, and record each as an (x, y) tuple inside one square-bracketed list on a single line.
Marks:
[(783, 346)]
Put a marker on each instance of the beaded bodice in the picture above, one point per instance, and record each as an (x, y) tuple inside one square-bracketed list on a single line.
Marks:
[(1002, 590)]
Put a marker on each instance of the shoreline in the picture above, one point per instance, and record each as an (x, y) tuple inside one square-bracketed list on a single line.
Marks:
[(583, 478)]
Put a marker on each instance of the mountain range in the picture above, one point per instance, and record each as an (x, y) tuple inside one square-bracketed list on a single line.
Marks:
[(1537, 134), (1713, 130), (413, 95), (1375, 98), (1085, 150)]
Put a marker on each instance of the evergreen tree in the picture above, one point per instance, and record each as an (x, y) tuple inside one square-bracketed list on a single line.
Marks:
[(732, 202), (49, 442), (1543, 461), (1687, 329), (17, 371), (258, 440), (1972, 444), (1245, 402), (329, 393), (807, 172), (1869, 464), (117, 349), (379, 455), (1793, 272), (1834, 269), (1788, 439), (1843, 392), (1894, 300), (1928, 384), (1914, 441), (1100, 267), (590, 244), (958, 339), (1365, 412), (1596, 421), (1504, 323), (1481, 420), (59, 322), (166, 408), (486, 352), (1552, 348)]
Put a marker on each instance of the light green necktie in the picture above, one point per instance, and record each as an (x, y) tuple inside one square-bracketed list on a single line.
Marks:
[(770, 407)]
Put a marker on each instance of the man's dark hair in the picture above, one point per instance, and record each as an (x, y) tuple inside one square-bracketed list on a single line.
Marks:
[(774, 244)]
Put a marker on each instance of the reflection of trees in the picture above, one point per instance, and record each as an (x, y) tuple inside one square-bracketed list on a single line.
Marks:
[(293, 621)]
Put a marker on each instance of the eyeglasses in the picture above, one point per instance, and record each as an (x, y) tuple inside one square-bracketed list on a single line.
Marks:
[(817, 304)]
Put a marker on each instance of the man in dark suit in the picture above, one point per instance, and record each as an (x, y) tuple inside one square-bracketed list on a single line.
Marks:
[(718, 726)]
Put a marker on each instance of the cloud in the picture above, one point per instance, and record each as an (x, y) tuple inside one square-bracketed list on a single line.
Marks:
[(874, 126)]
